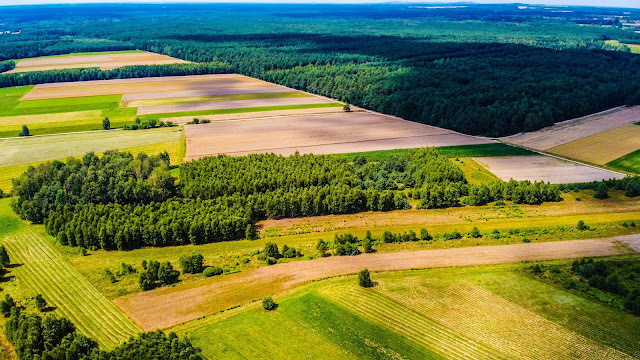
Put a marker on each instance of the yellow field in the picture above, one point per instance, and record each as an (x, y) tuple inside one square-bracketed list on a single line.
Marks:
[(51, 118), (474, 172), (603, 147)]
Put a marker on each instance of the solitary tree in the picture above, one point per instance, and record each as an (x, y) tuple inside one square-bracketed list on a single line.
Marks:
[(581, 225), (41, 303), (4, 257), (268, 303), (25, 131), (364, 278), (106, 124)]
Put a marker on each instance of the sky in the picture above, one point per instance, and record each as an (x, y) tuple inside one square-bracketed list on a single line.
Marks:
[(612, 3)]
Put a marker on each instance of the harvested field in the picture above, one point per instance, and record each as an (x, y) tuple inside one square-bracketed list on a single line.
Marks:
[(571, 130), (544, 168), (18, 151), (103, 61), (320, 134), (603, 147), (205, 92), (239, 104), (143, 85), (189, 301)]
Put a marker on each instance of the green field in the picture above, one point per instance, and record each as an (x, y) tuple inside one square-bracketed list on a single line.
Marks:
[(42, 269), (633, 47), (85, 53), (629, 163), (481, 150), (213, 98), (489, 312)]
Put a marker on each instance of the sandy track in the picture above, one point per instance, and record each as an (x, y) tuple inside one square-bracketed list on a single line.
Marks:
[(141, 85), (544, 168), (235, 104), (603, 147), (206, 92), (331, 133), (166, 307), (571, 130), (103, 61)]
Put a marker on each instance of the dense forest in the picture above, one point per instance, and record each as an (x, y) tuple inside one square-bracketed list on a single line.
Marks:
[(125, 72), (489, 70), (119, 201)]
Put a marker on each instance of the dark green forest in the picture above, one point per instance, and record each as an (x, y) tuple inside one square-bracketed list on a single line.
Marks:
[(488, 70)]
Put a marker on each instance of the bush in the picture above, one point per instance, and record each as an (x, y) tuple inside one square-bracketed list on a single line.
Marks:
[(271, 250), (212, 271), (289, 252), (192, 264), (106, 124), (424, 234), (364, 278), (41, 303), (271, 260), (601, 191), (475, 233), (581, 226), (367, 246), (25, 131), (322, 248), (268, 303)]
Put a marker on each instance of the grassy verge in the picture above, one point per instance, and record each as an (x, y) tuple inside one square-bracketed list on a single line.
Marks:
[(628, 163), (481, 150), (213, 98), (474, 172)]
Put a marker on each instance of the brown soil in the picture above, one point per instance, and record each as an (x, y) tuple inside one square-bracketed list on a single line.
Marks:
[(167, 307)]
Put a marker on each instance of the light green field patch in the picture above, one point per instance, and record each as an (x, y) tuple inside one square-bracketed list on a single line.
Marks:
[(321, 329), (635, 48), (629, 163), (85, 54), (10, 96), (75, 101), (37, 149), (212, 98)]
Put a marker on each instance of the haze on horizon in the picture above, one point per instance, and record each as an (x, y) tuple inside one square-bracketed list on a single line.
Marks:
[(610, 3)]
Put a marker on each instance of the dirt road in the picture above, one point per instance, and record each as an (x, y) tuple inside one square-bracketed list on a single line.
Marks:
[(166, 307)]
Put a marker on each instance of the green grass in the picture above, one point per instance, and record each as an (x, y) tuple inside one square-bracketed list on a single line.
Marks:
[(44, 270), (481, 150), (213, 98), (635, 48), (240, 110), (308, 324), (629, 163), (87, 53)]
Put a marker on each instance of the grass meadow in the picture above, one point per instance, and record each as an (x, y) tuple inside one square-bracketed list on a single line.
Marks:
[(460, 151), (488, 312), (629, 163)]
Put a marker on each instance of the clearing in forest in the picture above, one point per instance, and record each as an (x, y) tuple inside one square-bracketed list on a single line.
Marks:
[(105, 61), (190, 301), (544, 168), (571, 130), (43, 270), (317, 134)]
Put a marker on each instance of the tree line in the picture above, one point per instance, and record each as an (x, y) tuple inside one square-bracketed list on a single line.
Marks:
[(125, 72), (7, 65)]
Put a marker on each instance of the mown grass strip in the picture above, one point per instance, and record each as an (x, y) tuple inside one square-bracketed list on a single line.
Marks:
[(45, 271), (213, 98), (479, 150)]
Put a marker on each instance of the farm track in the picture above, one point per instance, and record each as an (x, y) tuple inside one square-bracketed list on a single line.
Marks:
[(415, 326), (45, 271)]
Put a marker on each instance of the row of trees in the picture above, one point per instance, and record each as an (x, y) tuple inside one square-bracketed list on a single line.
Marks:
[(115, 177), (125, 72), (7, 65), (56, 338)]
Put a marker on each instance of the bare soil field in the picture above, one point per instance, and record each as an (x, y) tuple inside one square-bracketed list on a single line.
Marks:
[(205, 92), (603, 147), (142, 85), (544, 168), (571, 130), (322, 134), (102, 61), (187, 302), (237, 104)]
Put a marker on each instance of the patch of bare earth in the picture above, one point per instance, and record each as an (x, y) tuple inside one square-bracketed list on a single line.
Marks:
[(166, 307), (544, 168), (324, 134), (571, 130)]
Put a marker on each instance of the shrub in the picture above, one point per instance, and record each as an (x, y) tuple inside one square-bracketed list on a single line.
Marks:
[(106, 124), (268, 303), (289, 252), (41, 303), (346, 108), (251, 233), (6, 305), (192, 264), (166, 274), (212, 271), (364, 278), (271, 250), (475, 233), (322, 248), (25, 131), (271, 260), (581, 226), (526, 240), (367, 246), (601, 191), (110, 276), (4, 257), (424, 234), (455, 234), (205, 121)]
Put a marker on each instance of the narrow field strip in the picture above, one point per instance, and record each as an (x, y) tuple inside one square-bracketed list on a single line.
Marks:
[(382, 309), (45, 271)]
